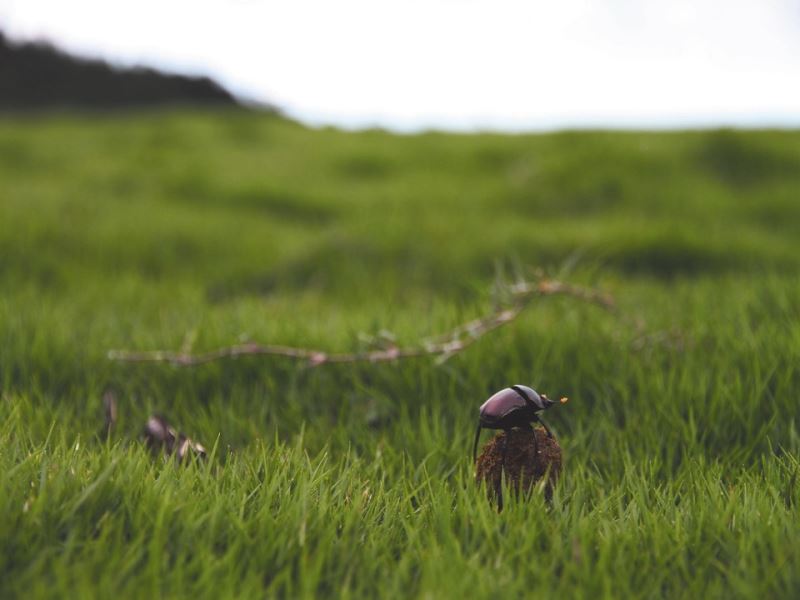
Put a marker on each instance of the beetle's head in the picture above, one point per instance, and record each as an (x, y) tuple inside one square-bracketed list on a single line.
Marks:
[(547, 402)]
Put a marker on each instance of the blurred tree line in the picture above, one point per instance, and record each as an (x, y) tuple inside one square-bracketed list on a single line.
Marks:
[(37, 75)]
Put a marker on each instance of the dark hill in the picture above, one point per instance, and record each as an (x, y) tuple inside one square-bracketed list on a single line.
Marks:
[(37, 75)]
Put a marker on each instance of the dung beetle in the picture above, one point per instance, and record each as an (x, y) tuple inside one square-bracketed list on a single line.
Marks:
[(515, 406)]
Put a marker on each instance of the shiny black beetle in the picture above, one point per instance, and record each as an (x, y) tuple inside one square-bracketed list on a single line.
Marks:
[(515, 406)]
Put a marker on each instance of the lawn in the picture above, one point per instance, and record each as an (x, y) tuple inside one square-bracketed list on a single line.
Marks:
[(160, 230)]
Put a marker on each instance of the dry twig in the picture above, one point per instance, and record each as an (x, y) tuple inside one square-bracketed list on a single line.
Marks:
[(520, 294)]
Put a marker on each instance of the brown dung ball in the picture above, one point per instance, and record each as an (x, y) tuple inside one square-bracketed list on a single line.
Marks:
[(524, 466)]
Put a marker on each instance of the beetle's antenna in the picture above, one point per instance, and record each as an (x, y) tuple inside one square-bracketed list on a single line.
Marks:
[(477, 438)]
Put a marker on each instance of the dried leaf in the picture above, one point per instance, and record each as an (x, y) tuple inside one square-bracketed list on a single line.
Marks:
[(160, 436)]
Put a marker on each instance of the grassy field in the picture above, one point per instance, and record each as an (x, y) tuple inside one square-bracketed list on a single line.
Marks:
[(139, 231)]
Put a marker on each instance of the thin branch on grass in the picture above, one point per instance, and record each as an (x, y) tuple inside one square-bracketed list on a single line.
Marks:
[(520, 295)]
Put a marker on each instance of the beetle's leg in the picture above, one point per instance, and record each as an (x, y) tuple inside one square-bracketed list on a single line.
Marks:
[(535, 441), (503, 451), (546, 428), (477, 437)]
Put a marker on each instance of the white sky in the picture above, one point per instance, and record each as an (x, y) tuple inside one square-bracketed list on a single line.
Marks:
[(458, 64)]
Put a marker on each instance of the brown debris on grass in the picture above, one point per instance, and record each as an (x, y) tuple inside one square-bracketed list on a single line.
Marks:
[(109, 412), (524, 466), (160, 436)]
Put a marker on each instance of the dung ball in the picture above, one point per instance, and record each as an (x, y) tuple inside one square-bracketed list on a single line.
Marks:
[(530, 456)]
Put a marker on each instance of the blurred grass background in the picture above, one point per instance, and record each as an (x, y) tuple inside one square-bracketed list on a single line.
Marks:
[(136, 230)]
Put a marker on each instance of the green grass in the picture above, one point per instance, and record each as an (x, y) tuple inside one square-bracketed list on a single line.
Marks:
[(132, 231)]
